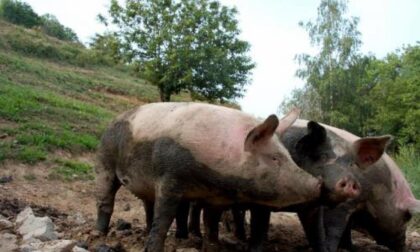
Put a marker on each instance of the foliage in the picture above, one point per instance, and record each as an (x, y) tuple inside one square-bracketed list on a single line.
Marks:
[(36, 44), (395, 96), (362, 94), (20, 13), (52, 27), (107, 45), (329, 72), (184, 44)]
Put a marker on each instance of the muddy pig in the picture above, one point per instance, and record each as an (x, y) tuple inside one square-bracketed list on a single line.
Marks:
[(167, 153), (383, 208), (312, 149)]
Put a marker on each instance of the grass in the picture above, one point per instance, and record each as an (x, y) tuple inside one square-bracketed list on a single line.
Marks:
[(409, 162), (57, 95), (69, 170)]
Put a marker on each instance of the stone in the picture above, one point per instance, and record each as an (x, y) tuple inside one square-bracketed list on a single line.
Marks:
[(49, 246), (187, 250), (41, 228), (25, 214), (5, 223), (104, 248), (8, 242), (79, 249)]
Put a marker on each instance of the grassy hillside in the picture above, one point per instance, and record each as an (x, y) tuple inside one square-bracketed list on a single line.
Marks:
[(56, 95)]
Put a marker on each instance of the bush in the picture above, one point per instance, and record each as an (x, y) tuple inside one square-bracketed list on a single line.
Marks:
[(52, 27), (19, 13)]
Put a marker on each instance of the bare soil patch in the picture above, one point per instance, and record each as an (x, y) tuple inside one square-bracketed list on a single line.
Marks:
[(61, 200)]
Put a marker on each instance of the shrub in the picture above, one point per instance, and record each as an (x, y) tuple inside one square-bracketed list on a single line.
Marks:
[(19, 13)]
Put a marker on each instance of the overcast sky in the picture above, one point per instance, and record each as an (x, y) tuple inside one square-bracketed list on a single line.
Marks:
[(271, 27)]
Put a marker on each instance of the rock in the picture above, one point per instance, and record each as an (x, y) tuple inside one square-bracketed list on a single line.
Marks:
[(104, 248), (41, 228), (82, 244), (49, 246), (8, 242), (77, 218), (123, 225), (25, 214), (187, 250), (5, 223), (79, 249)]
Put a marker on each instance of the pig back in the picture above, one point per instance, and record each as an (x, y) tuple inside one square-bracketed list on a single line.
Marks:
[(214, 135)]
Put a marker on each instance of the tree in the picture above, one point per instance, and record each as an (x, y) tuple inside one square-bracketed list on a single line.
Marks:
[(108, 45), (19, 13), (184, 45), (395, 96), (330, 73), (52, 27)]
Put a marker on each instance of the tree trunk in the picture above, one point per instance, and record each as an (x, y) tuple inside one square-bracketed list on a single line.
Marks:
[(164, 96)]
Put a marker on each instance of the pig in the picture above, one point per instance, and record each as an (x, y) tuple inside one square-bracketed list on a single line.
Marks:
[(312, 149), (170, 153), (382, 209)]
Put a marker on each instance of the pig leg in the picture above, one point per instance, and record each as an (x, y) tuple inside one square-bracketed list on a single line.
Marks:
[(194, 223), (211, 218), (346, 242), (148, 208), (312, 223), (260, 221), (168, 198), (107, 185), (239, 221), (335, 223), (182, 220)]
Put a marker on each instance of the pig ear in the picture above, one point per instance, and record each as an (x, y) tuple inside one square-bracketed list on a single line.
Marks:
[(368, 150), (316, 136), (288, 120), (414, 208), (261, 133)]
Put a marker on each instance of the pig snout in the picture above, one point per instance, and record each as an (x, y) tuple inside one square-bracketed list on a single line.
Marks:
[(347, 187)]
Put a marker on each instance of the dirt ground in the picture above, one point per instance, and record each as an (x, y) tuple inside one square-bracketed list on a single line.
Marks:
[(61, 201)]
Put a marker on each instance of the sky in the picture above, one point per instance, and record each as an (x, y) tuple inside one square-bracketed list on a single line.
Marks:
[(271, 27)]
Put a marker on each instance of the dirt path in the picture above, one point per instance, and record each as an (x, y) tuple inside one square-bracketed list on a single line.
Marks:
[(63, 200)]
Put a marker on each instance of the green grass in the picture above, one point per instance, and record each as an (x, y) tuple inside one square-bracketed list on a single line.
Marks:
[(70, 170), (57, 95), (409, 162)]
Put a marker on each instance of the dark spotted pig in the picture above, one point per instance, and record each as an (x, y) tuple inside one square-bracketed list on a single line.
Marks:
[(167, 153), (383, 208)]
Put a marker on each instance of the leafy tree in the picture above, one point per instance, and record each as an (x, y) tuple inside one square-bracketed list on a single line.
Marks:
[(20, 13), (396, 95), (184, 45), (330, 73), (108, 45), (52, 27)]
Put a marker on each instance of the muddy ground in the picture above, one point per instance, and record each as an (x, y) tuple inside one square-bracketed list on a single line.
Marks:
[(61, 201)]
